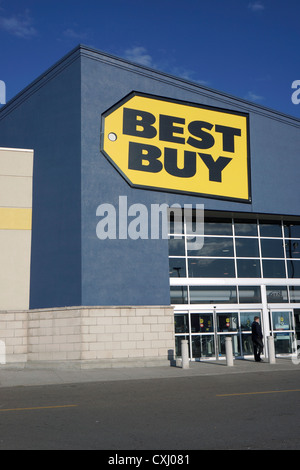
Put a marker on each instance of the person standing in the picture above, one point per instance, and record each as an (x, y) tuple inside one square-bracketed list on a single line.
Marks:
[(257, 339)]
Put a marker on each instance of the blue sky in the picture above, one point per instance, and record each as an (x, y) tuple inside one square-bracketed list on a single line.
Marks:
[(247, 48)]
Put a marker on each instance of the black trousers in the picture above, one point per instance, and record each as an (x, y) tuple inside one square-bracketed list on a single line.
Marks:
[(258, 349)]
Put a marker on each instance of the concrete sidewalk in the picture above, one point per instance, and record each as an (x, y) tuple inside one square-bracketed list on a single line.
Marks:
[(12, 376)]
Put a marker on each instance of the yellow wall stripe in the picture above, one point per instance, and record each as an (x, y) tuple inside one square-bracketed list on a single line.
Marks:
[(15, 218)]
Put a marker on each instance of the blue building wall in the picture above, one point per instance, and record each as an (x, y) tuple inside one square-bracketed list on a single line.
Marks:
[(60, 118), (46, 118)]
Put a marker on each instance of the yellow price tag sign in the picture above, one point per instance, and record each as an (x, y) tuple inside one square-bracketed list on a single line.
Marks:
[(176, 146)]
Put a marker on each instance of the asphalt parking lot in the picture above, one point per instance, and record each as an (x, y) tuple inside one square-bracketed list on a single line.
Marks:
[(239, 408)]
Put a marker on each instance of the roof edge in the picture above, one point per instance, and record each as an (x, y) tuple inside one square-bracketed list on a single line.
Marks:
[(83, 50), (88, 51), (66, 60)]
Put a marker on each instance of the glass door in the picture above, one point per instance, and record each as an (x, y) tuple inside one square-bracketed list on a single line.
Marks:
[(283, 330), (202, 335), (206, 332), (245, 330), (227, 325)]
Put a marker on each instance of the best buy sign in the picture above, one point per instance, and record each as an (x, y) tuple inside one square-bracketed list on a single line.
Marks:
[(176, 146)]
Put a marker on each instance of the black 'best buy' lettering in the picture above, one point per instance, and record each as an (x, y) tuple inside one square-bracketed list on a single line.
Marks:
[(145, 157)]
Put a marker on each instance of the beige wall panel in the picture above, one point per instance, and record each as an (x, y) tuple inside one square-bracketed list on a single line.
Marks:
[(15, 191), (15, 162), (14, 269), (16, 167)]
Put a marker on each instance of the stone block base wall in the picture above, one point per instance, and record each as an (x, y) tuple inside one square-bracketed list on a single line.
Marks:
[(88, 337)]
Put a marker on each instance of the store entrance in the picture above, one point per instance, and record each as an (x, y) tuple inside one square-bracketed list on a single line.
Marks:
[(206, 332), (283, 331)]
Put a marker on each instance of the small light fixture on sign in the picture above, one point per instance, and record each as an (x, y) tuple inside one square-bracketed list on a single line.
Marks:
[(112, 136)]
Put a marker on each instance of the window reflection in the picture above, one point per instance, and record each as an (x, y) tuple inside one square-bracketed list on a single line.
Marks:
[(176, 221), (293, 268), (212, 294), (248, 268), (292, 248), (246, 247), (177, 267), (178, 295), (277, 294), (292, 229), (176, 246), (181, 323), (211, 267), (274, 268), (294, 293), (245, 228), (249, 294), (214, 246), (272, 248), (270, 228), (217, 226)]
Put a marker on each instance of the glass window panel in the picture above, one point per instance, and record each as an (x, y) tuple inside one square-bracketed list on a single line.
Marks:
[(249, 294), (292, 229), (248, 268), (272, 248), (277, 294), (247, 247), (292, 248), (247, 344), (211, 267), (227, 321), (203, 346), (175, 221), (214, 246), (293, 268), (273, 268), (247, 319), (178, 340), (217, 226), (177, 267), (281, 320), (270, 228), (235, 345), (181, 322), (202, 323), (178, 295), (194, 222), (283, 343), (194, 245), (245, 228), (212, 294), (176, 246), (294, 293)]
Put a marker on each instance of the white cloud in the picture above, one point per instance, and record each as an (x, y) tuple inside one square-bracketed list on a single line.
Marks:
[(76, 35), (256, 6), (139, 55), (18, 26), (253, 96), (188, 75)]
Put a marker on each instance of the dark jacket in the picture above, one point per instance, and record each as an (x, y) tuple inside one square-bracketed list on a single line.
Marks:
[(256, 332)]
